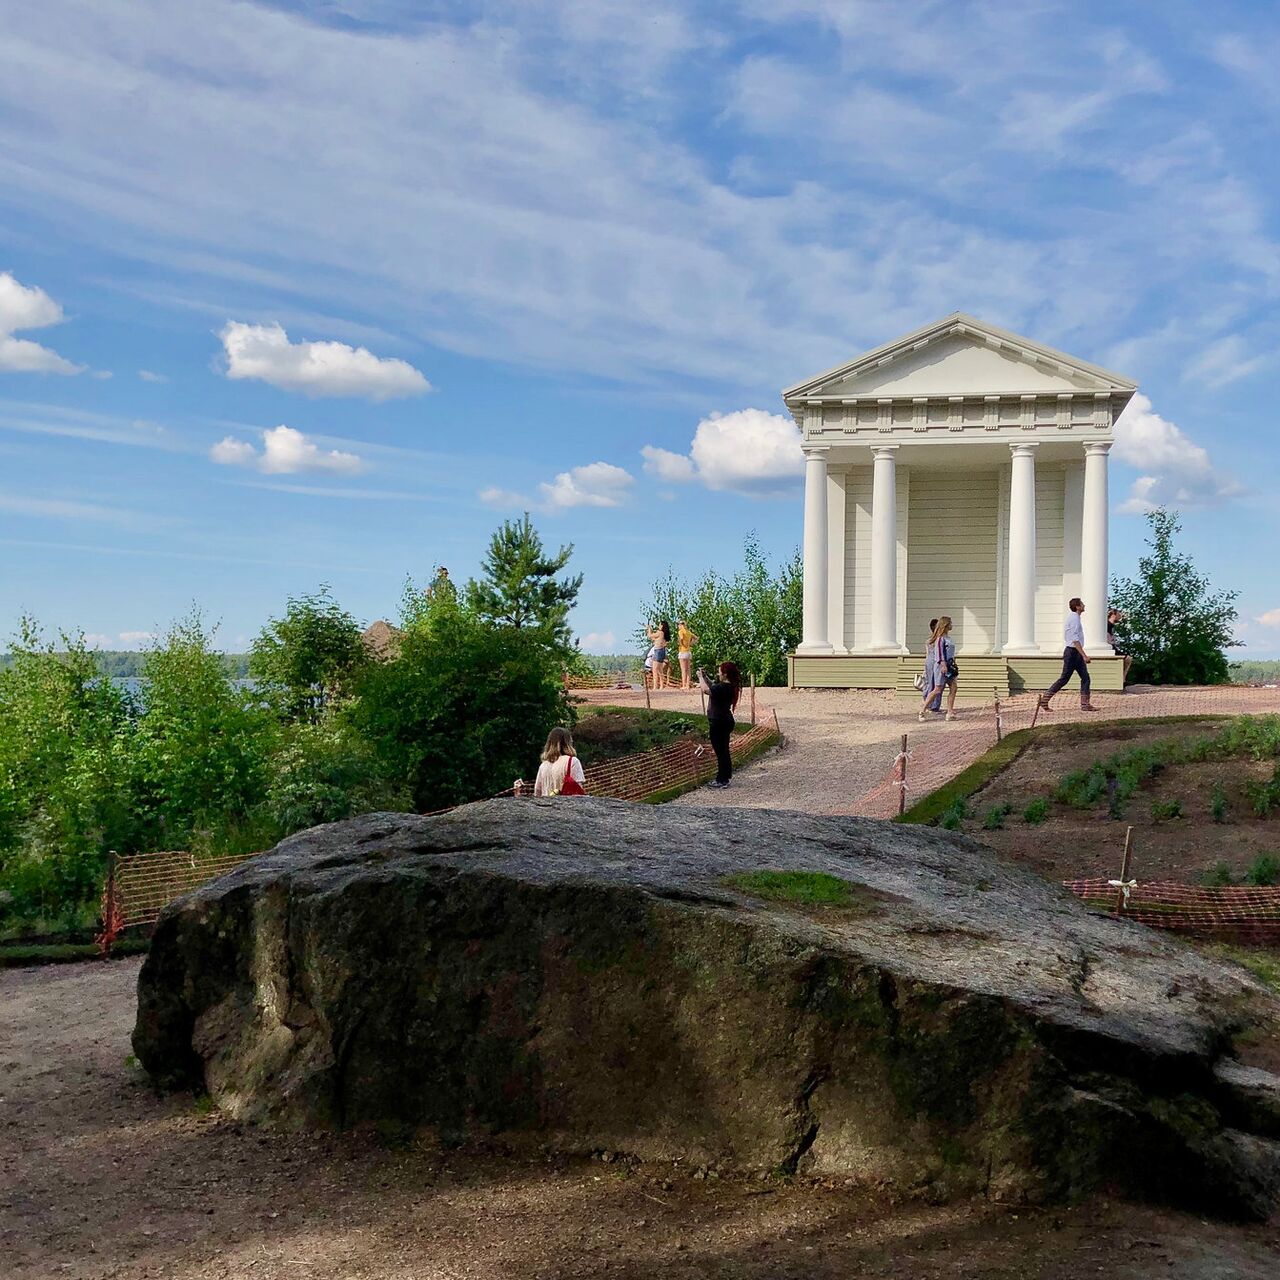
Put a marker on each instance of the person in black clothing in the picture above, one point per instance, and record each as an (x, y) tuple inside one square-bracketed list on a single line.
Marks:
[(722, 698)]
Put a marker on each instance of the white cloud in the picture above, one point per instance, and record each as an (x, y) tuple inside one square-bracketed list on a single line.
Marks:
[(749, 451), (675, 468), (285, 451), (28, 307), (263, 351), (1269, 619), (1225, 361), (68, 509), (1176, 471), (598, 642), (136, 639), (96, 640), (597, 484), (147, 376)]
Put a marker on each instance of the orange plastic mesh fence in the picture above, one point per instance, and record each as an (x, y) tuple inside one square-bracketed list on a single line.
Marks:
[(147, 882), (1240, 911), (610, 680), (939, 750)]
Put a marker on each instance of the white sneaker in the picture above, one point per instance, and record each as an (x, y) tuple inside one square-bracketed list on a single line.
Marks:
[(951, 715)]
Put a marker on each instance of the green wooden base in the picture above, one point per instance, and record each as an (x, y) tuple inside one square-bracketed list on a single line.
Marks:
[(981, 675)]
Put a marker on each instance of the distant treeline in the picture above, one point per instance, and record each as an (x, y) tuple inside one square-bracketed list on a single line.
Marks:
[(1255, 672), (127, 663), (605, 664)]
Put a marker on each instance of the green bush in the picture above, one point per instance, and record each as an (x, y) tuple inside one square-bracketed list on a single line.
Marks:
[(463, 710), (1036, 811), (1216, 876), (1264, 870), (324, 772), (955, 815), (63, 804), (199, 758), (1218, 804), (995, 817), (1162, 810), (752, 618)]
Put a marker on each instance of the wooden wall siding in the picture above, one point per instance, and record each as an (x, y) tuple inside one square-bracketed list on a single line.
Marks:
[(857, 555), (1050, 605), (857, 558), (953, 540)]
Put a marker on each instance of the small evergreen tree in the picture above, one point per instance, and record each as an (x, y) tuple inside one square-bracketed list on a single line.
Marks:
[(309, 655), (519, 587), (1174, 628)]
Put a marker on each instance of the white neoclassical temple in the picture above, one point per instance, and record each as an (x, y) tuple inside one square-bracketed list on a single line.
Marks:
[(958, 470)]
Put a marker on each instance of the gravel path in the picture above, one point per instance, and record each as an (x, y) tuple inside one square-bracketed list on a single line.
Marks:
[(841, 743)]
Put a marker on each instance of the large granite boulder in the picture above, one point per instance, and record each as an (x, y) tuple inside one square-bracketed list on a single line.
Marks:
[(589, 974)]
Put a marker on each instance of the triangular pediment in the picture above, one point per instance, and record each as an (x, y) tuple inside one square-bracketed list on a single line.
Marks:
[(960, 356)]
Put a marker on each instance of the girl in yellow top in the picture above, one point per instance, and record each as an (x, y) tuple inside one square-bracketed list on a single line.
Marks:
[(685, 640)]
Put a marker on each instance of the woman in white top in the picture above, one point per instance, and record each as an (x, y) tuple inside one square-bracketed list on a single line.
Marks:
[(560, 773)]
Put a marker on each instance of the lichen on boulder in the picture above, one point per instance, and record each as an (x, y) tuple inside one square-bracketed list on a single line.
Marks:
[(596, 975)]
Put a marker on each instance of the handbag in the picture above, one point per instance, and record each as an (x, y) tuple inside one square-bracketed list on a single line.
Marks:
[(571, 786)]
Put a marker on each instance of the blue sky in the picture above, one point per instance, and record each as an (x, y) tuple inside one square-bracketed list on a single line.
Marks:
[(479, 257)]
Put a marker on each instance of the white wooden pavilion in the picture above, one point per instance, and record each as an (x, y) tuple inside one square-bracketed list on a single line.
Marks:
[(958, 470)]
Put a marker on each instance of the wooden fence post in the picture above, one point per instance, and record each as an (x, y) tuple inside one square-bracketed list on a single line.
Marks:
[(999, 725), (1124, 870), (753, 699), (777, 726), (902, 777), (647, 704)]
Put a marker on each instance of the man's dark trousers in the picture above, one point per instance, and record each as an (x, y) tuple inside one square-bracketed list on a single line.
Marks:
[(1072, 663)]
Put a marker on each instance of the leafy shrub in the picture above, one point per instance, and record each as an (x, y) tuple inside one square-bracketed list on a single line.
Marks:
[(1216, 876), (1162, 810), (994, 819), (199, 758), (1218, 804), (324, 772), (1264, 870), (955, 814), (1036, 811), (463, 710), (63, 804), (310, 655)]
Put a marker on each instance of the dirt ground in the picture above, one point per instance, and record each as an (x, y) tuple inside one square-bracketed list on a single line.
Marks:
[(103, 1179), (1074, 843)]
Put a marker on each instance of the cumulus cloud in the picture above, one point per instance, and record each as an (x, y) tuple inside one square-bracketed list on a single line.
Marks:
[(676, 468), (749, 451), (28, 307), (1269, 619), (285, 451), (597, 484), (598, 642), (147, 376), (1175, 470), (131, 639), (263, 351)]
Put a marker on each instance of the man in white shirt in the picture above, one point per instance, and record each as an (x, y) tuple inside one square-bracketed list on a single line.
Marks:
[(1074, 659)]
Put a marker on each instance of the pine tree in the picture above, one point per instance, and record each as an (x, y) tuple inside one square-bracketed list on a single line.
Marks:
[(1173, 628), (519, 587)]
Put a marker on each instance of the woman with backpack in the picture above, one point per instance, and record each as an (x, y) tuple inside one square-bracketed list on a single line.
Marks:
[(943, 670), (560, 773)]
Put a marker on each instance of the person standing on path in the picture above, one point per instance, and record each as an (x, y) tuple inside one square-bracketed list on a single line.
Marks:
[(722, 698), (685, 640), (1114, 616), (941, 670), (1074, 659)]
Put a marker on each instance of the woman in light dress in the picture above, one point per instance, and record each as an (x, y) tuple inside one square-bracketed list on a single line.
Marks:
[(939, 662), (560, 773)]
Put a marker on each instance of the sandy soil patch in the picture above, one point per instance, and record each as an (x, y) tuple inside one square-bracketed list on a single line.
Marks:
[(103, 1179)]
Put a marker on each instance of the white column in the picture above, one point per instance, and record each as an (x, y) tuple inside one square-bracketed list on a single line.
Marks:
[(1093, 548), (815, 553), (884, 550), (1022, 552)]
